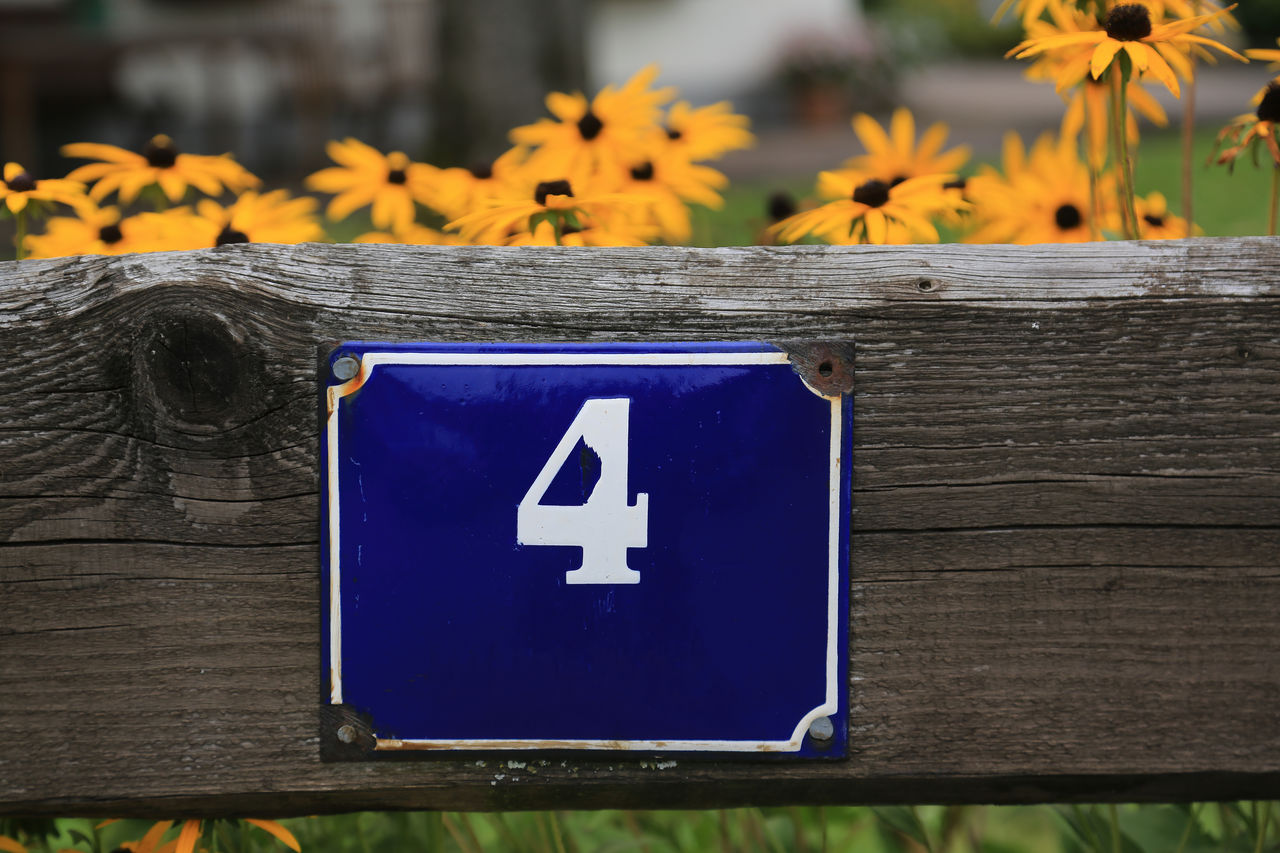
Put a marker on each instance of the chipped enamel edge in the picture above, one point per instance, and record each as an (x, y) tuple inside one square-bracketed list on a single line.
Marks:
[(370, 360)]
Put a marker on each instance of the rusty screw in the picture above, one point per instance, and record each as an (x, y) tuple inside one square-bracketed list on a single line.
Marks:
[(346, 368), (822, 730), (347, 734)]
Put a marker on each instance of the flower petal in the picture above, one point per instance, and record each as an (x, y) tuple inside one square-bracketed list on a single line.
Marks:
[(285, 836), (1102, 56), (1161, 71)]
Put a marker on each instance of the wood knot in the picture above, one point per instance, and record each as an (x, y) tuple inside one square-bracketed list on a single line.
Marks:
[(194, 366)]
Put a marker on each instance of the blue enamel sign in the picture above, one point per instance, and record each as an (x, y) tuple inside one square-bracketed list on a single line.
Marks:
[(625, 548)]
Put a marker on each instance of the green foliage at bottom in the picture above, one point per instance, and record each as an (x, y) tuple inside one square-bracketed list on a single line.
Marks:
[(1248, 827)]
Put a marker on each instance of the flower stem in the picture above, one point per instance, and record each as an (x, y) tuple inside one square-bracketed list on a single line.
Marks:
[(1095, 220), (1189, 135), (20, 237), (1275, 201), (1120, 142)]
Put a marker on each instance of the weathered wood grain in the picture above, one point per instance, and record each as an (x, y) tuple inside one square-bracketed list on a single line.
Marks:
[(1066, 549)]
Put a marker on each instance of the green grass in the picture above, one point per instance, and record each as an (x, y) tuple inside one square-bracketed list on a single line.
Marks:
[(1226, 204), (1226, 828)]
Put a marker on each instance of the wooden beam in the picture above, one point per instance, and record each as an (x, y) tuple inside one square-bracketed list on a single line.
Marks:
[(1066, 517)]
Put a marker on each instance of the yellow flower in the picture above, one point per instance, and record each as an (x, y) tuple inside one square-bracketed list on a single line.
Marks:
[(587, 138), (521, 207), (544, 234), (1155, 222), (895, 156), (1040, 198), (364, 176), (1152, 49), (414, 235), (159, 163), (19, 188), (1222, 17), (707, 132), (172, 230), (461, 191), (872, 212), (1269, 56), (268, 218), (10, 845), (666, 180), (95, 231), (1087, 110), (1252, 130), (190, 831)]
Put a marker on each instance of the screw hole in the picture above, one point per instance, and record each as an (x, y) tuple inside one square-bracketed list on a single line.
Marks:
[(825, 369), (925, 285)]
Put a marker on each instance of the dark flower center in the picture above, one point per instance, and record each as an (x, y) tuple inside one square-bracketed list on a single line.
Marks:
[(229, 235), (590, 126), (873, 193), (1153, 220), (780, 205), (1130, 22), (160, 153), (1269, 109), (110, 234), (396, 176), (673, 134), (957, 184), (481, 171), (21, 183), (547, 188), (897, 179), (1068, 217), (643, 172)]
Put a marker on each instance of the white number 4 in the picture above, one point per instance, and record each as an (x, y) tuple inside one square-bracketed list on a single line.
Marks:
[(606, 525)]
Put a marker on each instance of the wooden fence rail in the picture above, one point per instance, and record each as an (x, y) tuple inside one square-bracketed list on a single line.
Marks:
[(1066, 517)]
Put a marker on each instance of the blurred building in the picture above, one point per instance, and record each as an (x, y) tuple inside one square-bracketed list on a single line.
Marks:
[(272, 79)]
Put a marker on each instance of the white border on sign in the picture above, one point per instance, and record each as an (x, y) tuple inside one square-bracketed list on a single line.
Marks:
[(370, 360)]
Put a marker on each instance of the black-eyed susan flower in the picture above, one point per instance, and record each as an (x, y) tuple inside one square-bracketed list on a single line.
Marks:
[(1272, 58), (602, 135), (1087, 113), (521, 208), (190, 831), (895, 156), (271, 217), (666, 180), (94, 231), (20, 188), (460, 191), (873, 211), (364, 176), (1128, 27), (1039, 197), (1252, 131), (705, 133), (1087, 104), (1155, 222), (544, 234), (160, 163)]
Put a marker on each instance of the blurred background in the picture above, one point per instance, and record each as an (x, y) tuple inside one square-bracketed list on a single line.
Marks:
[(444, 80)]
